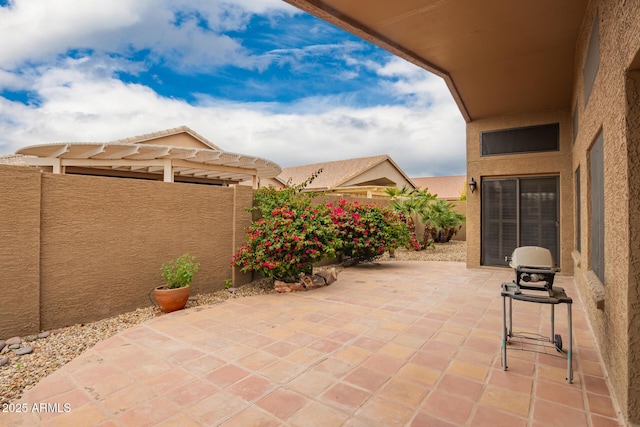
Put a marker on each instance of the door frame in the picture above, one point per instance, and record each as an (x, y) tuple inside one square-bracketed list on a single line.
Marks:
[(518, 179)]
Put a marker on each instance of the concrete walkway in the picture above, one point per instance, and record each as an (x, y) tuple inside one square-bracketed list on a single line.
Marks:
[(392, 344)]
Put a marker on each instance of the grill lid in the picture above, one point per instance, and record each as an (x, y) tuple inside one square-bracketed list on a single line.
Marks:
[(531, 256)]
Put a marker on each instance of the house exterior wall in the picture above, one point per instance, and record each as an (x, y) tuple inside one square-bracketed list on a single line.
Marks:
[(633, 135), (383, 170), (177, 140), (88, 247), (266, 182), (516, 165), (613, 109)]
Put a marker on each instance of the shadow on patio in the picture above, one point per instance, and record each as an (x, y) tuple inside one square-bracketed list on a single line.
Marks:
[(400, 343)]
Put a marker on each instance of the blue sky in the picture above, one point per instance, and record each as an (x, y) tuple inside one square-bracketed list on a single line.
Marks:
[(256, 77)]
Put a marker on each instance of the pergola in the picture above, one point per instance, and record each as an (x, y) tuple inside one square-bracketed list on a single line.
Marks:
[(150, 161)]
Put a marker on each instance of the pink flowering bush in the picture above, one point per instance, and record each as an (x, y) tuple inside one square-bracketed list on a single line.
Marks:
[(367, 231), (287, 242), (292, 234), (413, 244)]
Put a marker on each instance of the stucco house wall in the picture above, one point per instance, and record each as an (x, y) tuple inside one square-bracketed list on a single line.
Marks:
[(381, 172), (613, 108), (517, 165)]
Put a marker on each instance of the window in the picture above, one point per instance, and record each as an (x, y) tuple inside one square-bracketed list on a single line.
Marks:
[(530, 139), (592, 62), (596, 164), (577, 201), (518, 212)]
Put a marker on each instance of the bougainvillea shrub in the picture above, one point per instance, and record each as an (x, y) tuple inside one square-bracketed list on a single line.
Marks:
[(366, 231), (286, 243)]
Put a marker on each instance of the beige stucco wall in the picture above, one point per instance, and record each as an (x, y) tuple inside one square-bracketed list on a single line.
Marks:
[(19, 250), (177, 140), (88, 247), (383, 170), (459, 206), (633, 135), (613, 108), (514, 165)]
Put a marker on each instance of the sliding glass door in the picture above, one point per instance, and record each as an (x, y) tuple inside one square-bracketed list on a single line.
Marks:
[(518, 212)]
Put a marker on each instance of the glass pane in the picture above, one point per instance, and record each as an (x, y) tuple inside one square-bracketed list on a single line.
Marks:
[(539, 213), (499, 220)]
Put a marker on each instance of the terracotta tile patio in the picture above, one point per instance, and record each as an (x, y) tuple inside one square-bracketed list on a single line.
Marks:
[(391, 344)]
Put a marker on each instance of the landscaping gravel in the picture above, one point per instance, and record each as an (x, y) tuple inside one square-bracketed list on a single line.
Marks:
[(52, 349)]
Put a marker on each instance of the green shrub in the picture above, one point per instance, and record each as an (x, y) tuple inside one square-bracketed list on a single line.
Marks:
[(286, 243), (179, 272), (441, 222), (367, 231)]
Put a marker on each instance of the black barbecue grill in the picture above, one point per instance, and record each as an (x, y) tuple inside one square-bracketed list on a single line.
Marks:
[(535, 271)]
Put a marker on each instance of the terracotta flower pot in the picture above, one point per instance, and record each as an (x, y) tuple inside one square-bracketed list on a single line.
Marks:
[(169, 300)]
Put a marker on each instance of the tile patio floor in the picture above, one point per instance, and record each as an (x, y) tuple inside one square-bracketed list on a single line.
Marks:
[(392, 344)]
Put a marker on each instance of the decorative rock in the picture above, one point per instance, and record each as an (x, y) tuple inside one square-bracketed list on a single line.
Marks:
[(233, 290), (31, 338), (312, 282), (4, 360), (24, 350), (284, 287), (14, 340), (44, 334), (2, 344), (14, 346), (322, 278), (329, 276), (5, 350)]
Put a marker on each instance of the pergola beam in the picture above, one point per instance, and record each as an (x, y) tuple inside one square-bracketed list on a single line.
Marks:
[(169, 161)]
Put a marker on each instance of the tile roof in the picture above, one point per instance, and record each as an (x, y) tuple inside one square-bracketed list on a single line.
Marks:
[(446, 187), (334, 174)]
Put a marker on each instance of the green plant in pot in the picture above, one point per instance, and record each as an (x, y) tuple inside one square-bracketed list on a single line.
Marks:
[(177, 275)]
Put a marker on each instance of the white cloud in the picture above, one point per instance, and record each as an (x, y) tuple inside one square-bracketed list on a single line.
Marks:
[(81, 99), (80, 104), (51, 28)]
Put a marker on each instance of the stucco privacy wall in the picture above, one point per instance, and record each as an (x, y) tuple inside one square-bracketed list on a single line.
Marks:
[(19, 250), (612, 109), (459, 206), (513, 165), (99, 243)]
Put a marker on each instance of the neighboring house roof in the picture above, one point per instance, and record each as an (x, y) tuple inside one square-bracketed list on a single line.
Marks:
[(175, 153), (446, 187), (148, 138), (350, 172)]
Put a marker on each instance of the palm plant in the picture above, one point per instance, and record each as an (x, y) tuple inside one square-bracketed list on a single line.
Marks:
[(408, 203), (441, 222)]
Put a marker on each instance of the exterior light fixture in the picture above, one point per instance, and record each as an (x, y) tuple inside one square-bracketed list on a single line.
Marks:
[(473, 185)]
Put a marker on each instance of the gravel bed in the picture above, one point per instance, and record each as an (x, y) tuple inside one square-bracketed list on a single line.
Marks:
[(451, 251), (23, 372)]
